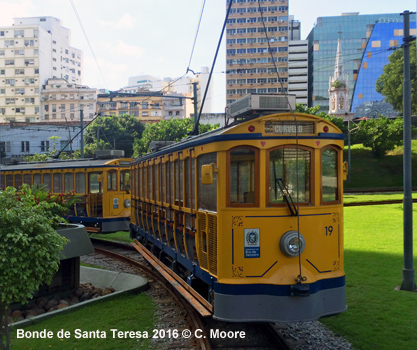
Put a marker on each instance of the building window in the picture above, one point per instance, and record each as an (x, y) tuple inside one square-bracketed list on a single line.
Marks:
[(9, 62), (44, 146), (25, 146)]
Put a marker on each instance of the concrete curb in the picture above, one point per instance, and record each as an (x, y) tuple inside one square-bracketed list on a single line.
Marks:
[(123, 283)]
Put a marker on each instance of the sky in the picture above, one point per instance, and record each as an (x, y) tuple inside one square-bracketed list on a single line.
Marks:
[(126, 38)]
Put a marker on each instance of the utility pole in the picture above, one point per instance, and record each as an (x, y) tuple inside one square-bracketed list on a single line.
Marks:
[(408, 282), (195, 102), (82, 133)]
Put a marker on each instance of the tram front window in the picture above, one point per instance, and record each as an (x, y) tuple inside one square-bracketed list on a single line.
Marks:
[(125, 180), (283, 170)]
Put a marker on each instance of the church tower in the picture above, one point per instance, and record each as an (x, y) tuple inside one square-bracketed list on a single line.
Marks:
[(338, 88)]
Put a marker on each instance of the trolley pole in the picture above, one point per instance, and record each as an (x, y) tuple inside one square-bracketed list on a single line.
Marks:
[(408, 282)]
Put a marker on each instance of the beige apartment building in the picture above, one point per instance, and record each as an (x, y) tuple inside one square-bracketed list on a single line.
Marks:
[(62, 101), (146, 106), (253, 32)]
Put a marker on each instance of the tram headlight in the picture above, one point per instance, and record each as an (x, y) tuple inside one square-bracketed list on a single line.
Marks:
[(292, 243), (126, 203)]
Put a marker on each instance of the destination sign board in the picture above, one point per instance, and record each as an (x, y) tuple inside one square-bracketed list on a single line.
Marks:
[(289, 128)]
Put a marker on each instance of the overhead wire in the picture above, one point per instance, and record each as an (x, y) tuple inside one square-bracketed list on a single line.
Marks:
[(300, 278), (196, 35), (88, 41)]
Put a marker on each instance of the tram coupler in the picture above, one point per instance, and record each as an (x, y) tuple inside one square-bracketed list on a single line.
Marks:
[(300, 290)]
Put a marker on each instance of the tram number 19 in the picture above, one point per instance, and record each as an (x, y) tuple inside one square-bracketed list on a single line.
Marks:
[(329, 230)]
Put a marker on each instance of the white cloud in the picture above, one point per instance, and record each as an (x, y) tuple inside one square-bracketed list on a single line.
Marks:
[(126, 21)]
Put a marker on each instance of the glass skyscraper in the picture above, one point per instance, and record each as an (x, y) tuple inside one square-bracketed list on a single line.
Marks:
[(367, 41)]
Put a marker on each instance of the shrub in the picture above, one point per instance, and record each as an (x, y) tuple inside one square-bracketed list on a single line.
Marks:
[(29, 246)]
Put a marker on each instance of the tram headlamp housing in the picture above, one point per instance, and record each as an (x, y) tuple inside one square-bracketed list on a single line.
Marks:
[(292, 244), (126, 203)]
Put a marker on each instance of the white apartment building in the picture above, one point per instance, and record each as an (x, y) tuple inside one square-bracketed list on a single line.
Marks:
[(33, 50), (298, 70), (63, 101)]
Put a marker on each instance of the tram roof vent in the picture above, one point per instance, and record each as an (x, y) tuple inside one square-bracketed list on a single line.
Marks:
[(157, 145), (110, 153), (256, 104)]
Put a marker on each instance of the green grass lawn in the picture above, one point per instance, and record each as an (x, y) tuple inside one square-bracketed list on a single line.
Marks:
[(120, 236), (370, 172), (125, 313), (360, 198), (378, 316)]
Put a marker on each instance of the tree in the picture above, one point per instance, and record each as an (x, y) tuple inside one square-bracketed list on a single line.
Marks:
[(29, 248), (338, 121), (390, 83), (381, 134), (122, 130), (167, 130)]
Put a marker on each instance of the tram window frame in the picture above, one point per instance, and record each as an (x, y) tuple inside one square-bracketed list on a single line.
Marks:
[(18, 180), (170, 182), (112, 180), (100, 183), (3, 182), (9, 180), (163, 182), (145, 182), (68, 181), (311, 177), (155, 182), (80, 182), (150, 184), (47, 181), (26, 177), (187, 183), (207, 194), (255, 180), (125, 179), (57, 183), (338, 176), (37, 177)]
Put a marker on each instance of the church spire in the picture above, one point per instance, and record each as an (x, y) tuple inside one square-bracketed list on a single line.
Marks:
[(338, 69), (338, 87)]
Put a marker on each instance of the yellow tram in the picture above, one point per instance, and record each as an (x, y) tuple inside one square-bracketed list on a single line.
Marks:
[(252, 214), (102, 185)]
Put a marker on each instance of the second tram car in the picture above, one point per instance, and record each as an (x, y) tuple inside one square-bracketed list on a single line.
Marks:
[(102, 185), (252, 215)]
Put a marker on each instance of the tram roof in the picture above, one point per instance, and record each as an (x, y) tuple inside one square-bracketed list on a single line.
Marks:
[(216, 135), (59, 164)]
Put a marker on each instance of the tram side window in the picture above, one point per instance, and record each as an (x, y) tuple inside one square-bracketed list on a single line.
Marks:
[(283, 172), (9, 180), (187, 183), (94, 183), (125, 180), (80, 182), (47, 181), (27, 179), (3, 182), (243, 174), (330, 190), (69, 182), (207, 194), (112, 180), (57, 183), (162, 182), (18, 180), (37, 179)]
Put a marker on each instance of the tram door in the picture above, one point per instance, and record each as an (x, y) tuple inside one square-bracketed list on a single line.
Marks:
[(95, 194)]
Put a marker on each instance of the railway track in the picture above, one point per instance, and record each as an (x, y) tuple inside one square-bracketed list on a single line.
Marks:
[(207, 333)]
